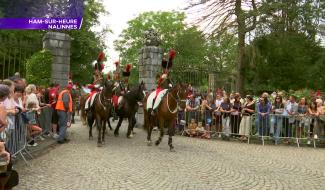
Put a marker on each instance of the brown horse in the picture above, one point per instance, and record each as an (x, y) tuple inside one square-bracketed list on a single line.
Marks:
[(166, 113), (100, 111)]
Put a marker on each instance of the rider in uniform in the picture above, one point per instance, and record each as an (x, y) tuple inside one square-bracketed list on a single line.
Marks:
[(98, 68), (163, 82)]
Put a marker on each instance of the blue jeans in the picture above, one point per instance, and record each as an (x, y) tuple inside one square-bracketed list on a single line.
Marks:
[(263, 128), (276, 121), (63, 120)]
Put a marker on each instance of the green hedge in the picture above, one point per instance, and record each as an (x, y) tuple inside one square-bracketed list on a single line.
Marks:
[(38, 68)]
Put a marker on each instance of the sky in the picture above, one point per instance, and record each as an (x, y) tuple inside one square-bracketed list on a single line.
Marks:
[(121, 11)]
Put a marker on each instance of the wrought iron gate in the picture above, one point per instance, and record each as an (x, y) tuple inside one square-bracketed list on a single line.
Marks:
[(14, 54)]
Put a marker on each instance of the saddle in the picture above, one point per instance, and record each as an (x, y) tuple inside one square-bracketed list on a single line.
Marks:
[(154, 99), (90, 101)]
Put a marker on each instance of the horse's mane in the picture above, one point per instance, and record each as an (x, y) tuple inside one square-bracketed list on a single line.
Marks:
[(132, 94)]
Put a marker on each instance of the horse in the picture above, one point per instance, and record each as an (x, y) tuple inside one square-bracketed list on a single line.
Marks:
[(128, 107), (83, 112), (100, 111), (166, 113)]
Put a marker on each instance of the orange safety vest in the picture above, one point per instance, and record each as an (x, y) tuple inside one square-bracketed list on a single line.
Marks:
[(60, 104)]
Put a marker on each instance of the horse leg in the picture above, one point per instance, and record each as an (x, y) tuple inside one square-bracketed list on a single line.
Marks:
[(103, 133), (116, 132), (90, 119), (149, 128), (161, 127), (109, 125), (130, 128), (171, 131), (99, 127)]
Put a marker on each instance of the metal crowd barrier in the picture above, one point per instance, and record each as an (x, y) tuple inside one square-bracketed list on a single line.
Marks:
[(274, 127), (16, 139)]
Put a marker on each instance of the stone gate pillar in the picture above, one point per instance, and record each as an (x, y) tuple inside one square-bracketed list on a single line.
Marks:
[(59, 45), (150, 58)]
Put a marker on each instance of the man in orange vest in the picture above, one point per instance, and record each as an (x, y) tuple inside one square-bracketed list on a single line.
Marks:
[(64, 110)]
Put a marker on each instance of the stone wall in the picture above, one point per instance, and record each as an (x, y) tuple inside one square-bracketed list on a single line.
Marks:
[(149, 65), (59, 45)]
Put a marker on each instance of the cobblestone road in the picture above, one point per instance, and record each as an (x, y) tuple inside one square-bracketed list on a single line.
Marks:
[(197, 164)]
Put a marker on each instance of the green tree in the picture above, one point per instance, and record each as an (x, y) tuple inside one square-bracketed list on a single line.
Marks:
[(38, 68), (189, 42), (131, 40), (218, 16), (283, 61)]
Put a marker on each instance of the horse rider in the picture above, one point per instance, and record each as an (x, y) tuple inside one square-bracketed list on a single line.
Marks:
[(124, 86), (98, 68), (163, 83)]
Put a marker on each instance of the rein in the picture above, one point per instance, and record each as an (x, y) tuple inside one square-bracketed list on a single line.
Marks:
[(101, 102), (177, 99)]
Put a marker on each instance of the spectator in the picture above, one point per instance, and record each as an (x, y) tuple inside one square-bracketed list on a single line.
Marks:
[(46, 112), (31, 97), (207, 111), (217, 113), (235, 114), (192, 106), (246, 121), (10, 107), (302, 120), (290, 111), (263, 111), (314, 113), (276, 120), (225, 109), (32, 125), (4, 93), (64, 109), (53, 95)]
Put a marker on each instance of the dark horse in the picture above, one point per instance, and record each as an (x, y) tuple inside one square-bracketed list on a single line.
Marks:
[(100, 111), (166, 113), (128, 107)]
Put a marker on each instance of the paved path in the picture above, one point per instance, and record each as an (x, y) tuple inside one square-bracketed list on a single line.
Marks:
[(197, 164)]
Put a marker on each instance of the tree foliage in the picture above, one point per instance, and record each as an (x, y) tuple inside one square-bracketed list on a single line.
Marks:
[(168, 24), (285, 61), (38, 68)]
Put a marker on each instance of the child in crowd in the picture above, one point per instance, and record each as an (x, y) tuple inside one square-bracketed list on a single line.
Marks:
[(32, 125)]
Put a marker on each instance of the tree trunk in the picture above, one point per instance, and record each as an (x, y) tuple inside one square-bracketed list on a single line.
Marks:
[(240, 78)]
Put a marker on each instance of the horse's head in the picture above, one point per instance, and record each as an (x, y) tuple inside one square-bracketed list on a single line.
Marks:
[(141, 92), (108, 88), (181, 94)]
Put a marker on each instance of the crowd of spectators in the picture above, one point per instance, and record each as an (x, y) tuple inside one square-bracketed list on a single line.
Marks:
[(231, 115)]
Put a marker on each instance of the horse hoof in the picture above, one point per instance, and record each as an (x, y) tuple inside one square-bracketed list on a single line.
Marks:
[(99, 144), (157, 143), (172, 149), (90, 138), (149, 143), (116, 134), (131, 135), (103, 142)]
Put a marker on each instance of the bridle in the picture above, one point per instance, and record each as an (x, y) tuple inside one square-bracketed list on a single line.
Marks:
[(104, 102), (177, 99)]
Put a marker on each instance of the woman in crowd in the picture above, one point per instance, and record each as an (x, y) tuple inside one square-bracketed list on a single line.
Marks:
[(302, 120), (217, 113), (225, 109), (246, 121), (276, 120), (263, 111), (207, 109), (10, 107), (10, 174), (314, 113), (235, 115)]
